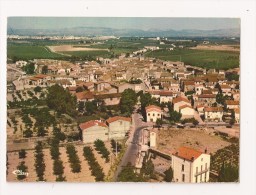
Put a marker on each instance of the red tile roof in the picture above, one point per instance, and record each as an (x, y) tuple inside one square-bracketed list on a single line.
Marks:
[(84, 95), (41, 76), (115, 118), (213, 109), (180, 99), (91, 123), (165, 93), (153, 108), (232, 102), (225, 87), (187, 153), (207, 96), (185, 106), (189, 83)]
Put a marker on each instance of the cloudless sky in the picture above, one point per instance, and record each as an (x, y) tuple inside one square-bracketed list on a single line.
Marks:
[(123, 23)]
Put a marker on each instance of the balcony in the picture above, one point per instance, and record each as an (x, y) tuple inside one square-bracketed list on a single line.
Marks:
[(201, 172)]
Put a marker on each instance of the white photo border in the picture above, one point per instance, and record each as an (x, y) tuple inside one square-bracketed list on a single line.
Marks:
[(243, 9)]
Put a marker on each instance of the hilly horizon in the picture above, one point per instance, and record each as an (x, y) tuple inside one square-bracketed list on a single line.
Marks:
[(104, 31)]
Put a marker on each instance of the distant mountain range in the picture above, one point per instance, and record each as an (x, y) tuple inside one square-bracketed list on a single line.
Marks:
[(101, 31)]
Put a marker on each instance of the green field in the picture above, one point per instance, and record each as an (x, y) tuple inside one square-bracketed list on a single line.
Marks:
[(27, 52), (93, 54), (201, 58)]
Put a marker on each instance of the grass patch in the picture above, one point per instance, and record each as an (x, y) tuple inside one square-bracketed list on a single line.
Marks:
[(28, 52), (201, 58)]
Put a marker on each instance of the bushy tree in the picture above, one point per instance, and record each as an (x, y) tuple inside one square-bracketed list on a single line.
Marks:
[(22, 167), (168, 175), (128, 101), (228, 173), (22, 154), (128, 174), (61, 100), (175, 116)]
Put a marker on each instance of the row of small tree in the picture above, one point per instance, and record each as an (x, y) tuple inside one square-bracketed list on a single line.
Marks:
[(101, 148), (73, 159), (58, 168), (39, 161), (95, 168)]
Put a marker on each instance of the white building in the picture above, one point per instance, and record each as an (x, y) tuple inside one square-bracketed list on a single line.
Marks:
[(118, 126), (93, 130), (190, 166), (187, 111), (213, 114), (180, 101), (153, 113)]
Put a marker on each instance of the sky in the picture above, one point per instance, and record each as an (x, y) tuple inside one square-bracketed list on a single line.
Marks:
[(123, 23)]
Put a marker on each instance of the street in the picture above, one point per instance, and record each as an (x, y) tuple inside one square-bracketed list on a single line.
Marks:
[(132, 143)]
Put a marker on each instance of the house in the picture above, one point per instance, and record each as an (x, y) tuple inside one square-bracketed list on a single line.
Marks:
[(118, 126), (165, 96), (186, 111), (109, 98), (93, 130), (232, 104), (153, 113), (190, 165), (206, 99), (84, 96), (188, 86), (101, 86), (180, 101), (226, 90), (213, 114)]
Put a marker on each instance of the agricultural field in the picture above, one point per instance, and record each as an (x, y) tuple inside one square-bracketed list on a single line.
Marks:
[(27, 52), (201, 58), (66, 172)]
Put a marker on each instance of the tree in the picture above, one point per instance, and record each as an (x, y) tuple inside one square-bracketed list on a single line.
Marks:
[(168, 175), (41, 132), (90, 107), (22, 154), (128, 175), (58, 167), (45, 69), (175, 116), (159, 122), (37, 89), (228, 173), (29, 68), (128, 101), (22, 168), (61, 100), (28, 133)]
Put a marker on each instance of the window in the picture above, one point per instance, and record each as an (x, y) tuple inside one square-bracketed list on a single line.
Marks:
[(182, 168), (205, 166), (196, 179), (120, 122), (201, 178), (196, 170), (158, 114), (201, 167), (183, 177), (154, 114), (148, 114)]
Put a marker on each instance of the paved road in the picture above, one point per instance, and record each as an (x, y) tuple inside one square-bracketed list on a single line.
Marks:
[(132, 143)]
